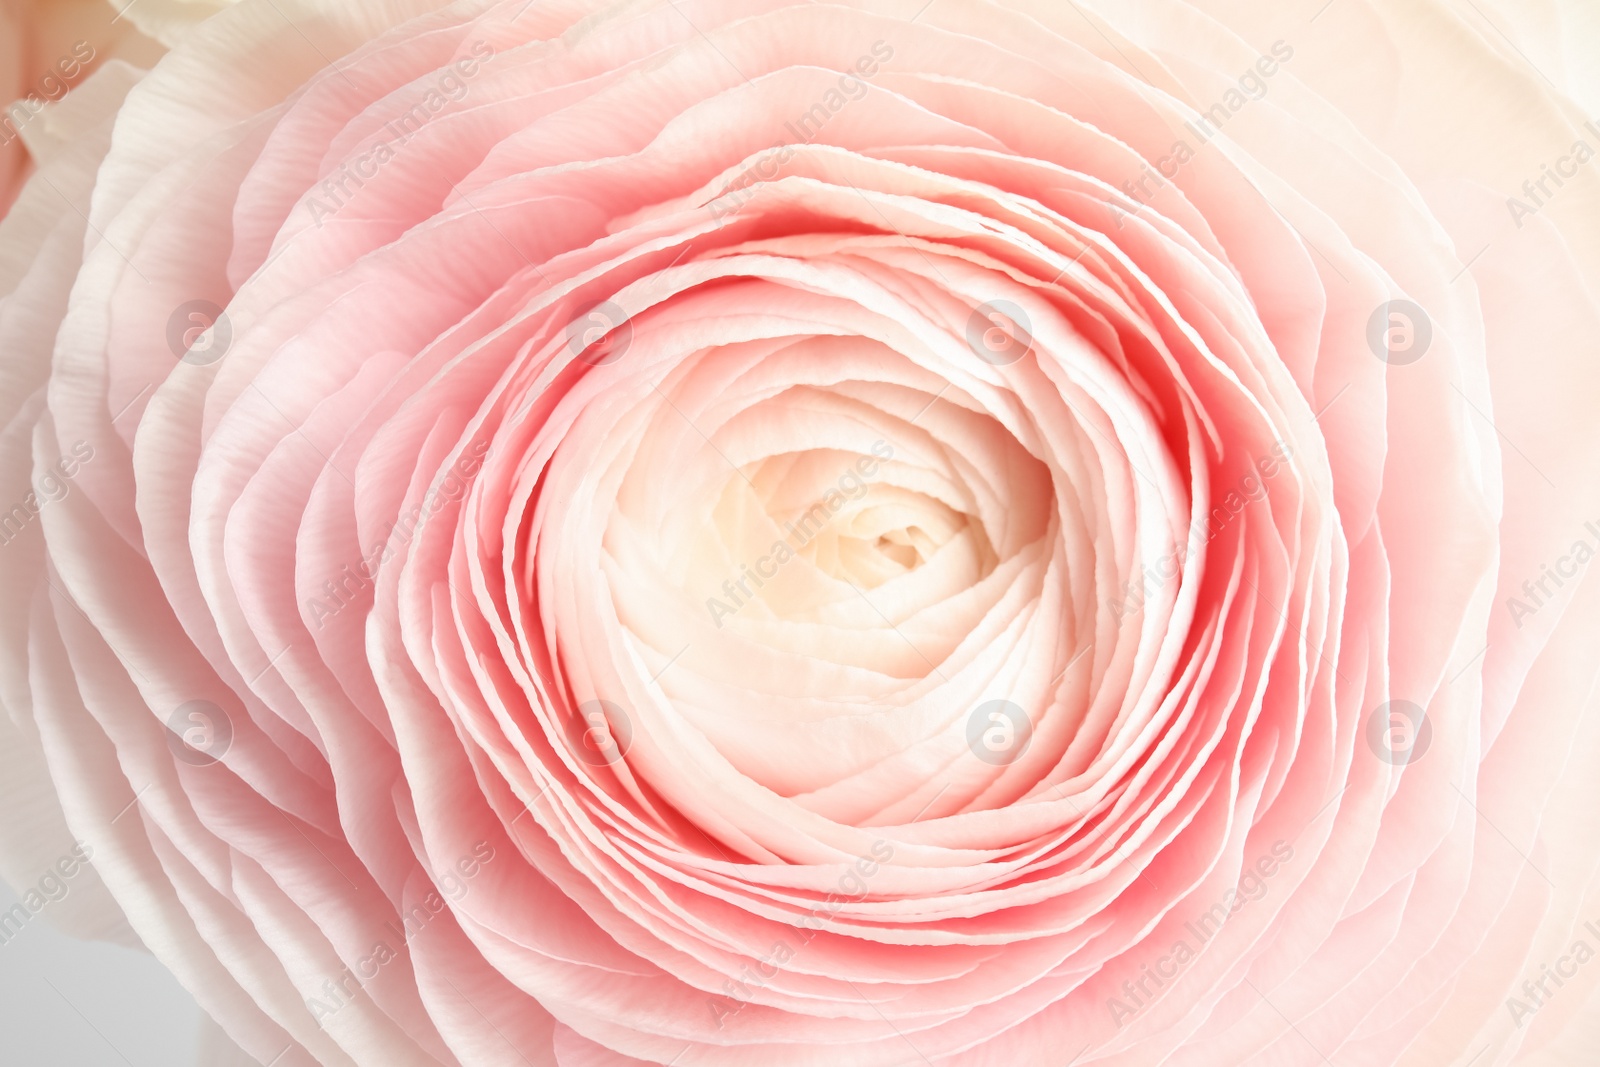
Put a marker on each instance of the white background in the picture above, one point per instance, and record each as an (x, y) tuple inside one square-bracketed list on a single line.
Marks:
[(71, 1003)]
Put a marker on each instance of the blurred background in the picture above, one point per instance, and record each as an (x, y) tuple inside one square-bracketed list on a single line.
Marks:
[(71, 1003)]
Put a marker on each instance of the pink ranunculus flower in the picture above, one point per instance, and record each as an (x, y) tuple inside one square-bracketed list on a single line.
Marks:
[(747, 532)]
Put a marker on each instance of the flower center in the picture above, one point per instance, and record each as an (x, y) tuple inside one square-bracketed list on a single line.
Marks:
[(837, 512)]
